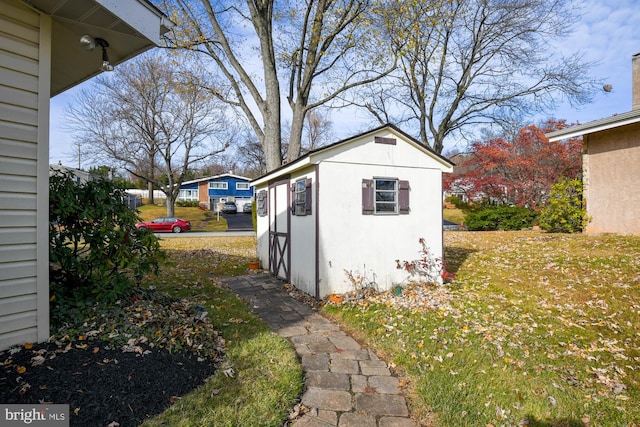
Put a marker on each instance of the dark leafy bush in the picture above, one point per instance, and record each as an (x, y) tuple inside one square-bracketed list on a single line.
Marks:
[(501, 217), (188, 203), (564, 212), (95, 251)]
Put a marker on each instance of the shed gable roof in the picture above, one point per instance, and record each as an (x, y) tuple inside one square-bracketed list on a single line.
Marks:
[(323, 153)]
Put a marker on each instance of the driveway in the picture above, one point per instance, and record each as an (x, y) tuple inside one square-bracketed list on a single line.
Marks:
[(206, 234), (238, 222), (448, 225)]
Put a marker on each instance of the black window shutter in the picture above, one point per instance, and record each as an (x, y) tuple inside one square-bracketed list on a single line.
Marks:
[(367, 197), (403, 197), (293, 199), (308, 199)]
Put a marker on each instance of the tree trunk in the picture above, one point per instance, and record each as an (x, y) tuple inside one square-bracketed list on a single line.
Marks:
[(172, 191), (295, 138), (152, 174), (261, 17), (171, 202), (271, 141), (150, 200)]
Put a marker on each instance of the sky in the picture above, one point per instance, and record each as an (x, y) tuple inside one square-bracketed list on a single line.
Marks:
[(607, 33)]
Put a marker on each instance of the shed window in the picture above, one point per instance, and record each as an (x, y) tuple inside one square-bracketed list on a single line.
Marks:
[(302, 198), (384, 196), (262, 203)]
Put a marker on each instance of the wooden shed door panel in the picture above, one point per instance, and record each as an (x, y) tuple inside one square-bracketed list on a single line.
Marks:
[(279, 224)]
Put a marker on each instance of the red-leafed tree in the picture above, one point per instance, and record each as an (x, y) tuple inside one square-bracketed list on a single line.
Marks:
[(518, 170)]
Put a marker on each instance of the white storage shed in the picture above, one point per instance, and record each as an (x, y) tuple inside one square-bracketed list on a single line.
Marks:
[(351, 209)]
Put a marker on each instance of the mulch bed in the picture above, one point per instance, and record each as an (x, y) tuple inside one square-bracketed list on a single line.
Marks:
[(103, 386)]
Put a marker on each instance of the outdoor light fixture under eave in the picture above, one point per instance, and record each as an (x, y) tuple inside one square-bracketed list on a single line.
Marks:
[(89, 43)]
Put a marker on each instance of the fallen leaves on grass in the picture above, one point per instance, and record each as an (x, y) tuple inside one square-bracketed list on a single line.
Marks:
[(557, 312), (154, 319)]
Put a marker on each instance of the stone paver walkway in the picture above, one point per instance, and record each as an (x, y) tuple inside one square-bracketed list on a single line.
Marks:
[(346, 385)]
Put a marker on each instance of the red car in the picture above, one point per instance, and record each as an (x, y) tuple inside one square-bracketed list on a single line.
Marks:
[(175, 225)]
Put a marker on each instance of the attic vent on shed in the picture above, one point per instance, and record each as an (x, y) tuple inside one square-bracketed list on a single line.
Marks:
[(381, 140)]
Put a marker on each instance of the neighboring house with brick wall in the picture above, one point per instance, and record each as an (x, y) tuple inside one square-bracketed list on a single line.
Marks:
[(611, 166), (213, 191)]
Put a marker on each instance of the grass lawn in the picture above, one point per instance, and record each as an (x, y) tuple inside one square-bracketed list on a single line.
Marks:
[(539, 330), (453, 215), (261, 379), (200, 220)]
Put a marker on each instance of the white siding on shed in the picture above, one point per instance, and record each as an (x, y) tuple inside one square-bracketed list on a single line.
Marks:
[(24, 121), (303, 247), (341, 235), (367, 246)]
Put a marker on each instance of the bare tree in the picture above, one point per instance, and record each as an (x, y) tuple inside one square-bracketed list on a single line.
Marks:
[(322, 46), (470, 62), (317, 131), (151, 118), (251, 156), (233, 36), (334, 48)]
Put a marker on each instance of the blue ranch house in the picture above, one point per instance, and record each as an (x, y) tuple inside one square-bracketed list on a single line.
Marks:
[(213, 191)]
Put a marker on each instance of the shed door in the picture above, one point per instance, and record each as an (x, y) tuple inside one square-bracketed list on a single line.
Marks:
[(279, 226)]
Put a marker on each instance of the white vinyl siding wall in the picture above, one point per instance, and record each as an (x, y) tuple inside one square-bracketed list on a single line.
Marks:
[(24, 122)]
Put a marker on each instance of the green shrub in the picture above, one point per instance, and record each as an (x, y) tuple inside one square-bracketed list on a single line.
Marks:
[(501, 217), (188, 203), (254, 215), (95, 251), (457, 202), (564, 212)]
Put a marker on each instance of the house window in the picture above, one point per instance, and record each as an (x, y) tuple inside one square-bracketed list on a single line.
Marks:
[(218, 185), (242, 185), (384, 196), (191, 195), (301, 200)]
